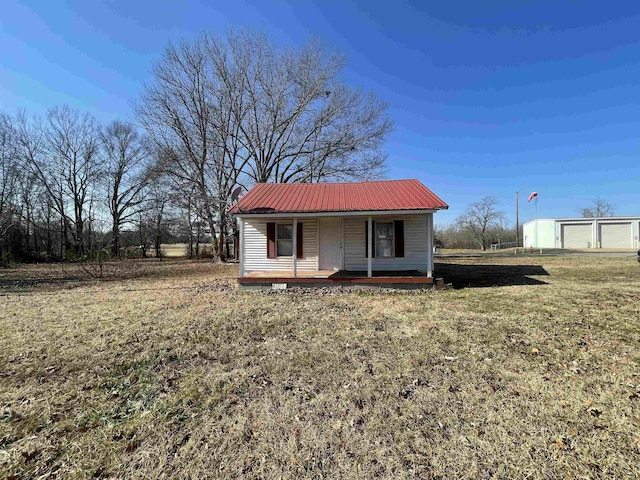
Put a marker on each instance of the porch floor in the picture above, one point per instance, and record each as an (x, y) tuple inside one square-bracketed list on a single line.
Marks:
[(331, 277), (289, 274)]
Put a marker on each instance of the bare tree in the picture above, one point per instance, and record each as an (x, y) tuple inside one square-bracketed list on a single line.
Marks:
[(32, 145), (126, 156), (26, 210), (302, 122), (177, 113), (479, 218), (9, 176), (238, 110), (72, 141), (153, 221), (598, 208), (62, 152)]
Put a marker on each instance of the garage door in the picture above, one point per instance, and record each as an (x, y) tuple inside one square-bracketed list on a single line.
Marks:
[(576, 235), (615, 235)]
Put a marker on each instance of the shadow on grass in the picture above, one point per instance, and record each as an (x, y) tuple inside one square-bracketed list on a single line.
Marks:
[(480, 276)]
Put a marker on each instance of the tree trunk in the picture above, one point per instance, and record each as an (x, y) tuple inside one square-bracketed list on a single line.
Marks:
[(49, 241), (64, 241), (221, 246), (79, 238), (221, 240), (158, 247), (211, 221), (116, 239), (190, 223), (36, 246)]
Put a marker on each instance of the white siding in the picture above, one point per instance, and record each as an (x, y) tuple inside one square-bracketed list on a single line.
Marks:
[(540, 234), (255, 246), (415, 245)]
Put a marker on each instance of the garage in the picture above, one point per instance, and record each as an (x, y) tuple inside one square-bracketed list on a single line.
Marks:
[(615, 235), (576, 235)]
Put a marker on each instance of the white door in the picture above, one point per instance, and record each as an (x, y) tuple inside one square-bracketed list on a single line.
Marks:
[(615, 235), (576, 235), (330, 243)]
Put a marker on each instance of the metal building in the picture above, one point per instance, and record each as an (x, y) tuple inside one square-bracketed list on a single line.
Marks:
[(603, 232)]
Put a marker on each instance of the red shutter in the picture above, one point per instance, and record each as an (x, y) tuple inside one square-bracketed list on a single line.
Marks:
[(398, 227), (299, 235), (271, 240)]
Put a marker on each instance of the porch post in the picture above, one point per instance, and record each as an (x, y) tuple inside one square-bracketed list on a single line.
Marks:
[(369, 244), (429, 245), (295, 247), (241, 252)]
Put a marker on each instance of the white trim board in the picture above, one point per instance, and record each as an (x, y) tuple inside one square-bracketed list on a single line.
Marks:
[(333, 214)]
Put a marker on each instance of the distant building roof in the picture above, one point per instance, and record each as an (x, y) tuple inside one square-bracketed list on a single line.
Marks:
[(392, 195), (625, 218)]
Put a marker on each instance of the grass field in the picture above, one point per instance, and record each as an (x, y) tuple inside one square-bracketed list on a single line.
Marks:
[(165, 370)]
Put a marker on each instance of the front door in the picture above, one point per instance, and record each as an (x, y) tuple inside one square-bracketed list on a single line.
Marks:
[(330, 243)]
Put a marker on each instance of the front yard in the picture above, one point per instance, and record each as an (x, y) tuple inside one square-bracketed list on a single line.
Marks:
[(165, 370)]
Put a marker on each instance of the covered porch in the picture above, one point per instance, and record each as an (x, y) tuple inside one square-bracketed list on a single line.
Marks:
[(389, 244), (366, 233)]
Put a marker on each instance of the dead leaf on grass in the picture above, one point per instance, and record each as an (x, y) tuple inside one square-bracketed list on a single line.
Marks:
[(29, 455), (595, 412), (131, 446), (563, 443)]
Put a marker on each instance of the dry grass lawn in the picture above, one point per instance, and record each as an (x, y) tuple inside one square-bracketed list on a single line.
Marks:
[(165, 370)]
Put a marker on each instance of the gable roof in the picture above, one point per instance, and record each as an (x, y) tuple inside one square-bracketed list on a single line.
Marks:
[(391, 195)]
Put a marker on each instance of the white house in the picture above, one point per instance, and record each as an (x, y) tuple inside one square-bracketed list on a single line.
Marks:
[(603, 232), (368, 232)]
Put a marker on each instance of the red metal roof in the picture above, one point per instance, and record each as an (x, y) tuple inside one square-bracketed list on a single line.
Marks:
[(338, 197)]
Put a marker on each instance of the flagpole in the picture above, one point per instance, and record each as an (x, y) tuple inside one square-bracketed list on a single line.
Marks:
[(537, 244), (534, 244), (517, 226)]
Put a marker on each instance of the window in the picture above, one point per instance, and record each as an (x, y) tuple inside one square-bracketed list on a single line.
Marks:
[(384, 239), (284, 240)]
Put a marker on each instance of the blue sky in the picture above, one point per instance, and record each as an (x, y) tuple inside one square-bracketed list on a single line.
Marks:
[(487, 97)]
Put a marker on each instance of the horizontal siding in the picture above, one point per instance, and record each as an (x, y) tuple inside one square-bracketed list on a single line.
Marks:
[(255, 247), (415, 244)]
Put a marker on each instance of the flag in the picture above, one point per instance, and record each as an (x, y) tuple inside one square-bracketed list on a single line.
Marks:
[(532, 196)]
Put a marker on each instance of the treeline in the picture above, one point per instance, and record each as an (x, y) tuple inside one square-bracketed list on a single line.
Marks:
[(481, 224), (456, 236), (218, 115), (71, 189)]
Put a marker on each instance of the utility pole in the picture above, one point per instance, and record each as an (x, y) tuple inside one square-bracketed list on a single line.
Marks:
[(518, 218), (517, 223)]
